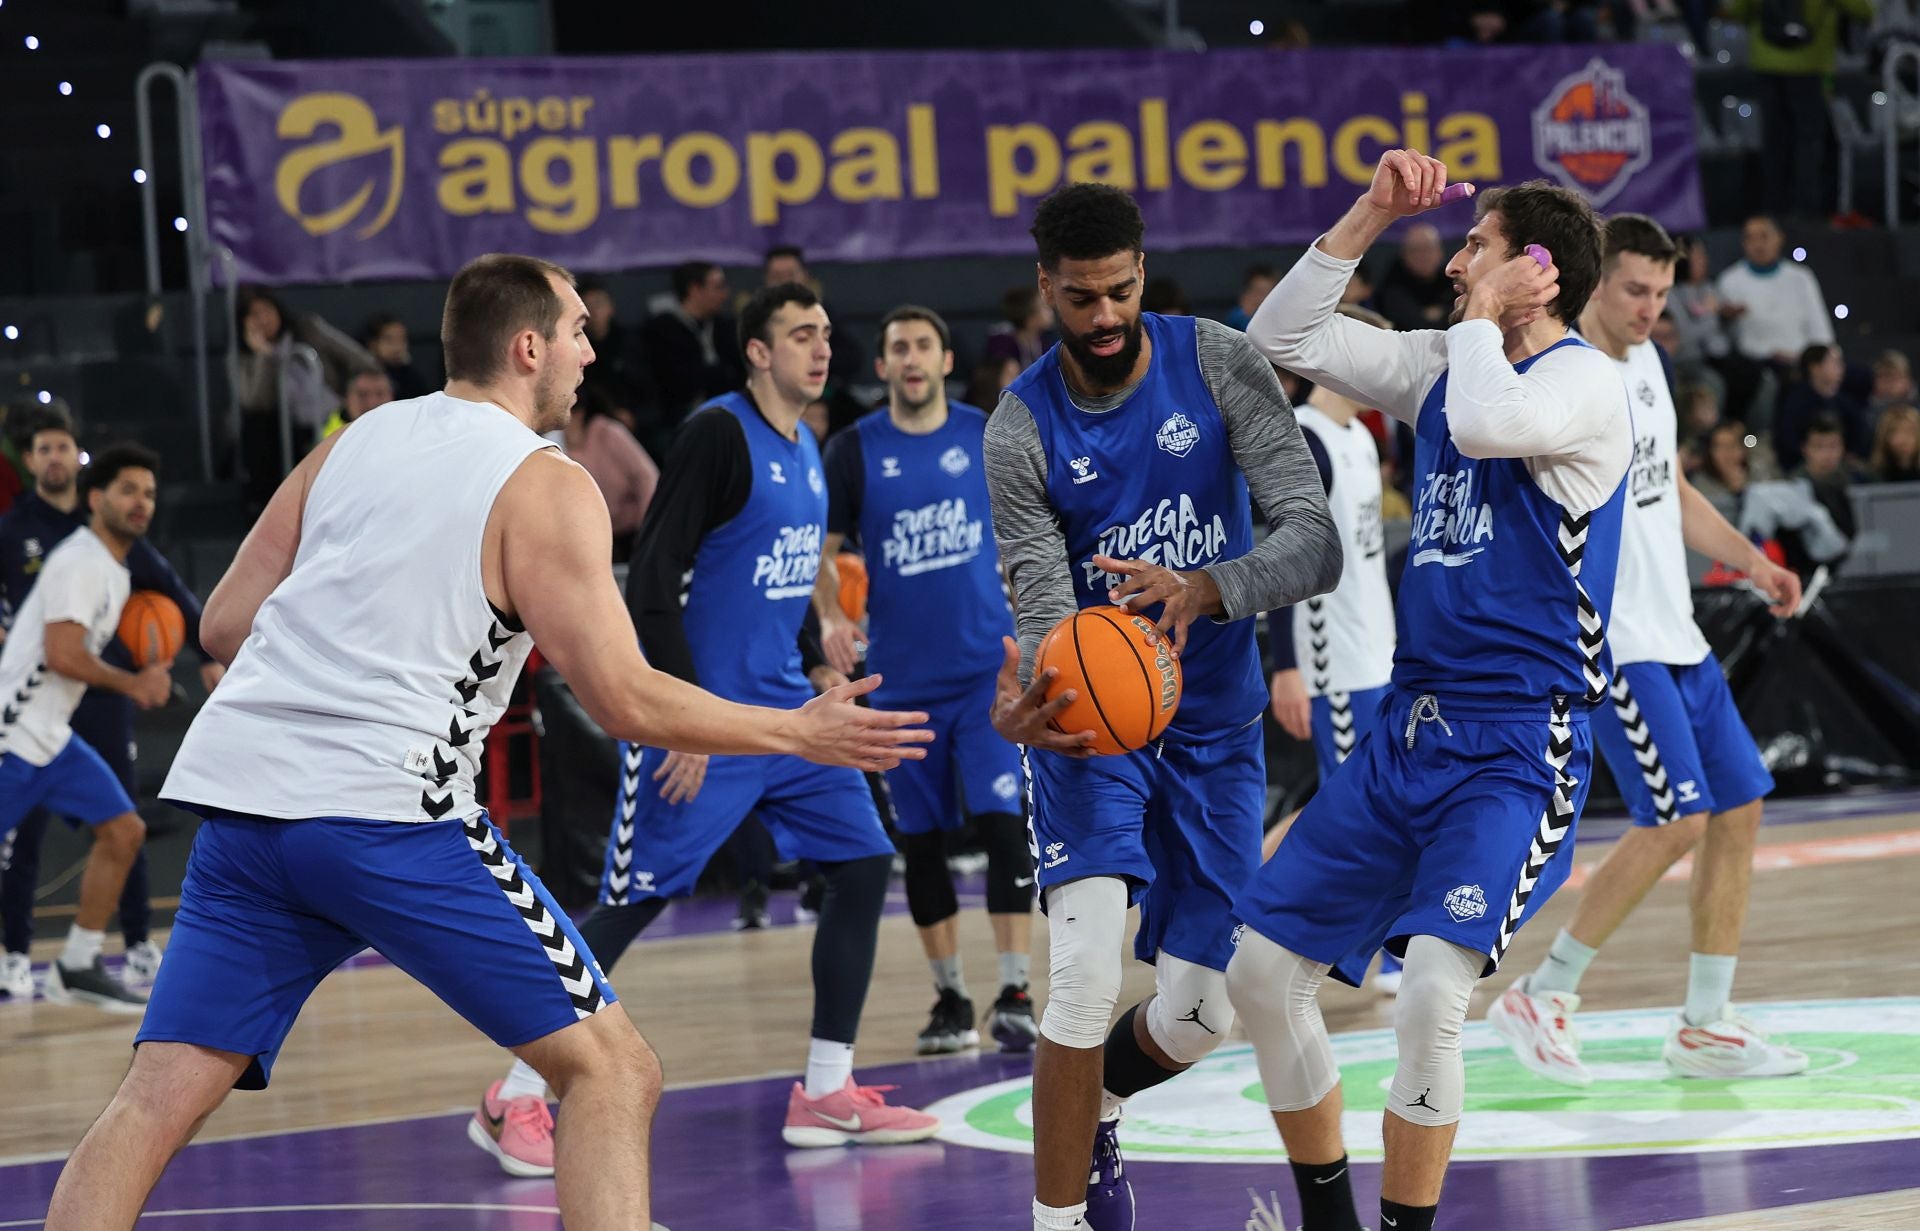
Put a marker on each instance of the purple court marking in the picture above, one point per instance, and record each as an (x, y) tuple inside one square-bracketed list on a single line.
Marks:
[(718, 1161)]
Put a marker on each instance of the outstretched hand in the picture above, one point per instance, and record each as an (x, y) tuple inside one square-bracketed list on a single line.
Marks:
[(835, 731), (1025, 716)]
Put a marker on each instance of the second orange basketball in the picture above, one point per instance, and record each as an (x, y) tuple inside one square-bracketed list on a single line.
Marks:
[(152, 627), (1122, 671)]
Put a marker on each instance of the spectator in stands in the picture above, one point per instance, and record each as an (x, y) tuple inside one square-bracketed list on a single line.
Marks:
[(692, 351), (624, 472), (1775, 306), (1826, 468), (1699, 410), (1165, 296), (1025, 330), (364, 392), (1816, 395), (1703, 351), (385, 337), (1255, 285), (990, 377), (1415, 292), (1896, 446), (1792, 49), (1892, 383), (13, 468), (619, 366), (269, 335), (1724, 471)]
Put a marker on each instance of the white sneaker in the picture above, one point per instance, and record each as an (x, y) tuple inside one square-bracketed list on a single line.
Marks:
[(16, 976), (1730, 1047), (143, 961), (1539, 1029)]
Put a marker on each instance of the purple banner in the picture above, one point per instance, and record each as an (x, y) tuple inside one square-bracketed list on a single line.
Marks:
[(331, 171)]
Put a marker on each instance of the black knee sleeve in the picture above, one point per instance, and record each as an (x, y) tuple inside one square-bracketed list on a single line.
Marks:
[(844, 943), (1126, 1069), (1009, 863), (608, 930), (930, 896)]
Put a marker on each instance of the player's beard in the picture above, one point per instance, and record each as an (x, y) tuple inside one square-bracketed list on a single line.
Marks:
[(915, 407), (1106, 371), (553, 401)]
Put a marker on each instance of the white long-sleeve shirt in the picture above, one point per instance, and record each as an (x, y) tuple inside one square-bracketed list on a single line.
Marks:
[(1786, 313), (1566, 416)]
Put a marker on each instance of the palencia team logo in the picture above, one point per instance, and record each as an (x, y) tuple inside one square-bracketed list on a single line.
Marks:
[(1178, 435), (356, 138), (1590, 133)]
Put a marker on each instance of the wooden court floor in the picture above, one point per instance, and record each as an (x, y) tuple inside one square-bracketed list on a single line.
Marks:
[(1836, 907)]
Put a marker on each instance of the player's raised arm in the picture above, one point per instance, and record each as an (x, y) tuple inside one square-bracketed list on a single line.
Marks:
[(555, 542), (262, 563), (1298, 329)]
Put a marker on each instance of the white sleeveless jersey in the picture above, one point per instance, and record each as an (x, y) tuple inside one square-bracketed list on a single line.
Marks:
[(374, 671), (1652, 597), (1344, 640), (80, 583)]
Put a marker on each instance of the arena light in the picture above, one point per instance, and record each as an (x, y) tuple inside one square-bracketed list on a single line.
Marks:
[(1799, 254), (33, 44), (1724, 56), (45, 397), (1879, 98), (86, 459), (66, 87), (1750, 440), (1256, 27), (1839, 312), (13, 333), (1746, 111), (102, 131), (180, 224), (139, 176)]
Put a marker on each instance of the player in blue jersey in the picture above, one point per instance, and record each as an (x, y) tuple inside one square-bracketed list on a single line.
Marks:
[(907, 484), (1120, 466), (1443, 839), (722, 577)]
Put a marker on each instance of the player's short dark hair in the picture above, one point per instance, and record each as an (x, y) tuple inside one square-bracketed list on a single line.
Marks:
[(913, 312), (1084, 222), (45, 419), (1559, 220), (107, 464), (757, 316), (1642, 236), (689, 274), (1256, 273), (1825, 425), (780, 250), (376, 325), (492, 298)]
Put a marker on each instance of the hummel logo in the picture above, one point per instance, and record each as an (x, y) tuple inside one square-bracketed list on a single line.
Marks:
[(1193, 1015), (1422, 1100), (1082, 470), (850, 1125)]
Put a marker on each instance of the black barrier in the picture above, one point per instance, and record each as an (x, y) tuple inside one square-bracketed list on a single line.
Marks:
[(579, 776)]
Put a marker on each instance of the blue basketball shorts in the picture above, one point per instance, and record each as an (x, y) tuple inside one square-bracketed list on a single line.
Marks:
[(1341, 720), (820, 812), (1455, 821), (269, 908), (970, 769), (77, 784), (1179, 822), (1676, 744)]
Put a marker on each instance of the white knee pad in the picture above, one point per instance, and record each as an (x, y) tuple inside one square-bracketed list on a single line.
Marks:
[(1086, 923), (1276, 994), (1190, 1012), (1430, 1083)]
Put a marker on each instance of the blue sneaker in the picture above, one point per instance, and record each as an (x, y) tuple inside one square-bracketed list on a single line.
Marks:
[(1109, 1192), (1386, 980)]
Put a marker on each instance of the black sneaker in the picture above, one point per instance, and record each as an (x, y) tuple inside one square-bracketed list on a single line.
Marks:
[(92, 986), (753, 909), (949, 1026), (813, 891), (1011, 1023)]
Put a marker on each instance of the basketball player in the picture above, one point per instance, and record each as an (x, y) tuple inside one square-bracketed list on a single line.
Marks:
[(38, 522), (1345, 637), (376, 618), (50, 658), (1444, 834), (720, 585), (1119, 465), (1674, 739), (909, 486)]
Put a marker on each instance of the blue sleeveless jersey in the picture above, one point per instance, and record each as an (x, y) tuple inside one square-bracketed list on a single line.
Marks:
[(1154, 479), (935, 602), (753, 577), (1505, 593)]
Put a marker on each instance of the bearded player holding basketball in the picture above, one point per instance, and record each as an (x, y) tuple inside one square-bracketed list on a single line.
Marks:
[(376, 618), (1442, 838), (1119, 467)]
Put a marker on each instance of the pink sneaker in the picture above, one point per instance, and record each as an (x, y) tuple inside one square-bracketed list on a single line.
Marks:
[(517, 1132), (852, 1115)]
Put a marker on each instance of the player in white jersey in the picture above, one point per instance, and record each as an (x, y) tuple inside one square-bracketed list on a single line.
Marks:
[(1333, 654), (376, 619), (1674, 740), (50, 658)]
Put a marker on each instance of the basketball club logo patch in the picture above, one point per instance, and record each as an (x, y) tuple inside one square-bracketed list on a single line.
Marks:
[(1466, 902), (1590, 133), (1178, 435), (955, 461)]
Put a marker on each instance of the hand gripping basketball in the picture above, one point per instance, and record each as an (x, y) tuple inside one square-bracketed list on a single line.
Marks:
[(1026, 716), (835, 731)]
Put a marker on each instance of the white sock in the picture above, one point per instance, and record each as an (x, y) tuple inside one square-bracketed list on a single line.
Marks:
[(829, 1065), (1110, 1105), (1013, 969), (1561, 969), (1058, 1218), (947, 973), (83, 945), (523, 1081), (1709, 987)]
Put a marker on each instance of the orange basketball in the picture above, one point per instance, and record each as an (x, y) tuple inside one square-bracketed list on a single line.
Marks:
[(853, 585), (152, 628), (1123, 673)]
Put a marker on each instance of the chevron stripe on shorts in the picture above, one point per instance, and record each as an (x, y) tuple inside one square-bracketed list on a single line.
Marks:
[(1645, 751), (1555, 824), (575, 974)]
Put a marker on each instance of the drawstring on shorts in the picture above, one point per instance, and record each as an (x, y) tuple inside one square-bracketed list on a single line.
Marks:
[(1425, 709)]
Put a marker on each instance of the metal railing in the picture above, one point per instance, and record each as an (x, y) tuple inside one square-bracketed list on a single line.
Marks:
[(1897, 54), (194, 205)]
